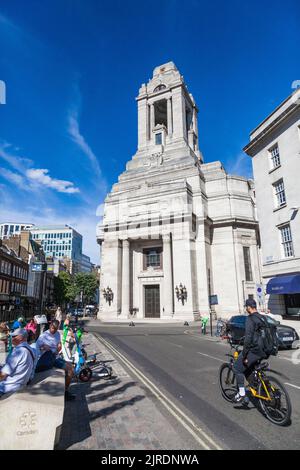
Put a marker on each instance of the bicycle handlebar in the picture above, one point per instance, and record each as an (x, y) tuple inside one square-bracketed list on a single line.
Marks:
[(238, 344)]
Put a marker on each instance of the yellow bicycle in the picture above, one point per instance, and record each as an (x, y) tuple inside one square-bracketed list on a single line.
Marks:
[(271, 396)]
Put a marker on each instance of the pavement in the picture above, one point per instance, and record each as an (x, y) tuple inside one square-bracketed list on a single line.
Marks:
[(184, 366), (118, 413)]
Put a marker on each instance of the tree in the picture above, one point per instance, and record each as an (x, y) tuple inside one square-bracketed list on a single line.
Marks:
[(64, 288), (86, 283)]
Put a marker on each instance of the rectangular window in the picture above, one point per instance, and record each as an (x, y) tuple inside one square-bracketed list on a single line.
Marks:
[(275, 156), (152, 258), (286, 241), (279, 193), (247, 263)]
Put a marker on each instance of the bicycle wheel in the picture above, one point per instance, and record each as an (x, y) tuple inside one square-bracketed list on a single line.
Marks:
[(227, 381), (279, 409), (85, 374)]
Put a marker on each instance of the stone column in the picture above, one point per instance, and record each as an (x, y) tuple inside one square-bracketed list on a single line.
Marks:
[(195, 125), (178, 110), (170, 125), (125, 279), (152, 120), (168, 275), (142, 123)]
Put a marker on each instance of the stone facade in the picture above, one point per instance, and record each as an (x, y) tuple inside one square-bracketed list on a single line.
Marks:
[(275, 150), (172, 221)]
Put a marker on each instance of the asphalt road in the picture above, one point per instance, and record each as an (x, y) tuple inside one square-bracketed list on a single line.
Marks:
[(184, 365)]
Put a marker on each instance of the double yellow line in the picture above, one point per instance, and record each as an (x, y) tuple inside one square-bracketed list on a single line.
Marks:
[(206, 442)]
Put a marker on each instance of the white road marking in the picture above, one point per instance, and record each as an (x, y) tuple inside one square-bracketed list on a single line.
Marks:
[(186, 422), (212, 357), (288, 359), (292, 385), (174, 344)]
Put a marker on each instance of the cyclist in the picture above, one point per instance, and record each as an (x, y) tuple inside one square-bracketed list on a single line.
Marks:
[(251, 352)]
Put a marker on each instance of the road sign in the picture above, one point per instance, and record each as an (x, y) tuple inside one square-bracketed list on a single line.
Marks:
[(213, 300), (259, 291), (38, 267)]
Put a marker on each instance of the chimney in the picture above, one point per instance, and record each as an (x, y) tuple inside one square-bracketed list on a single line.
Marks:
[(25, 239)]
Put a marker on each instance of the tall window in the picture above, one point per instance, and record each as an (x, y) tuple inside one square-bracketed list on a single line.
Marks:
[(286, 240), (279, 192), (247, 263), (152, 258), (275, 156)]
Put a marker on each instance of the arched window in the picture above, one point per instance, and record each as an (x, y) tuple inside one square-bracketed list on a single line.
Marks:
[(159, 87)]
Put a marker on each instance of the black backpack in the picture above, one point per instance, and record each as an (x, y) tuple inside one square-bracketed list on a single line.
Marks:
[(266, 337)]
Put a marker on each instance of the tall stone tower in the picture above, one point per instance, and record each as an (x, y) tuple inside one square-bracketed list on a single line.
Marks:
[(156, 236)]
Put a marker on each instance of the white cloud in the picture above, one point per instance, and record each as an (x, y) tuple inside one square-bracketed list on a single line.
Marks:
[(18, 163), (241, 165), (78, 138), (29, 177), (12, 177), (40, 176)]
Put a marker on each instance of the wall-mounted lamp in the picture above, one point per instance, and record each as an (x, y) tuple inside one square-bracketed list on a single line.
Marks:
[(181, 293), (108, 295)]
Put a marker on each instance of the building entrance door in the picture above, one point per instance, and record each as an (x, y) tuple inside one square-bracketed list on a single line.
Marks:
[(152, 301)]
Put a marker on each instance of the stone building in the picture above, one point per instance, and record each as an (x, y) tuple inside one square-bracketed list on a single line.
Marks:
[(275, 151), (40, 284), (175, 230), (13, 280)]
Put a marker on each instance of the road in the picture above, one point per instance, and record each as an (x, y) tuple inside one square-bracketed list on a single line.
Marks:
[(184, 365)]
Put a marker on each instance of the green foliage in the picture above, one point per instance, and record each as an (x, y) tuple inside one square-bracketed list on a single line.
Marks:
[(86, 283), (64, 289), (67, 287)]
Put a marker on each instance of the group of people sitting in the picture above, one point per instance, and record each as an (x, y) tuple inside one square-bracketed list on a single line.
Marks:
[(31, 354)]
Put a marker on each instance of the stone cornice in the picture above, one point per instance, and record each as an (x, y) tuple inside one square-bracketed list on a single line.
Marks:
[(250, 148)]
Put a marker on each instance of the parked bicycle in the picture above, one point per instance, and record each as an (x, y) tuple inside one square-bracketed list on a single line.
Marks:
[(268, 392)]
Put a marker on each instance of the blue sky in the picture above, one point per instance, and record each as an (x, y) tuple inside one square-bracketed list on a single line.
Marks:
[(73, 68)]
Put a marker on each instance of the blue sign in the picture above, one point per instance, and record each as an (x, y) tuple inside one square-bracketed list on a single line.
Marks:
[(213, 300), (38, 267)]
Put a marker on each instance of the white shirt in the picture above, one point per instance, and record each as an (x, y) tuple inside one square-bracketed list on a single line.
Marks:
[(50, 340), (18, 368), (58, 315)]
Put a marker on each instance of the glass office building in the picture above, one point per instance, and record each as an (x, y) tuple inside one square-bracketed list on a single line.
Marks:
[(59, 241)]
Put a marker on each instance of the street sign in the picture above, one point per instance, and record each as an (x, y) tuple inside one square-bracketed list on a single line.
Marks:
[(259, 291), (38, 267), (213, 300)]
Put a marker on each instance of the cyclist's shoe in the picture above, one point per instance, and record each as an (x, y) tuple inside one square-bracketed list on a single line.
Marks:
[(243, 400)]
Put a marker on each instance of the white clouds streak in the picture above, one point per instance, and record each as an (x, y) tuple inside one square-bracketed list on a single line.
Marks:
[(40, 176), (18, 163), (28, 178), (77, 137), (241, 166), (12, 177)]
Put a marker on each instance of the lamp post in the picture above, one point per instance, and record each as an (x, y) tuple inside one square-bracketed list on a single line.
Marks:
[(11, 301), (108, 295), (181, 293)]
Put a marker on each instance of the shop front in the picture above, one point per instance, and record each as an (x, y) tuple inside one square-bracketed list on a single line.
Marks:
[(287, 286)]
